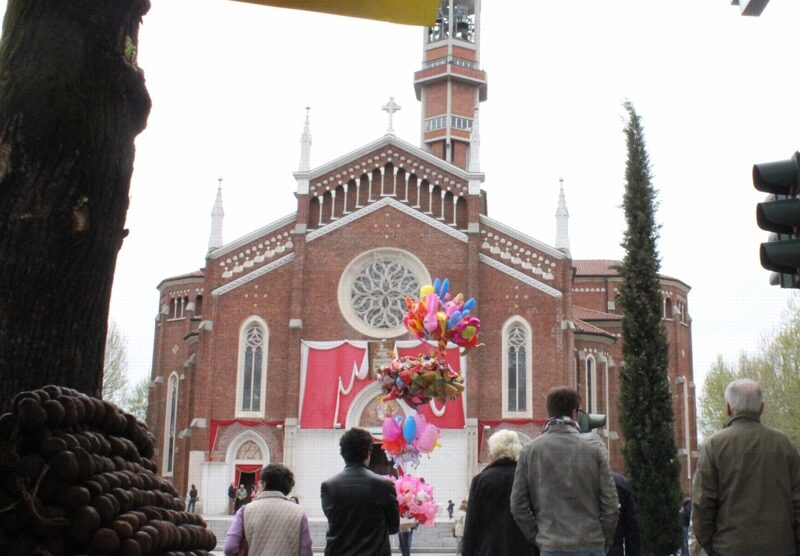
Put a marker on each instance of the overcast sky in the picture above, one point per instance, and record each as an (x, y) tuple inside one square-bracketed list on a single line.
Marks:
[(717, 92)]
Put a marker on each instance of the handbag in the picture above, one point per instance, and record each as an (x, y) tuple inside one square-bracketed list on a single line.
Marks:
[(243, 545)]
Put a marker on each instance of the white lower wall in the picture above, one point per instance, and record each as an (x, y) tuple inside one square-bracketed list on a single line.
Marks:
[(214, 491), (316, 458), (446, 469)]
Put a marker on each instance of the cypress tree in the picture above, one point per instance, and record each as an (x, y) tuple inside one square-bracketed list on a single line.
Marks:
[(645, 403)]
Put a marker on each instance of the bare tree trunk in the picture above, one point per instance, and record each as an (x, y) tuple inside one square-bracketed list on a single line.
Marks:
[(72, 100)]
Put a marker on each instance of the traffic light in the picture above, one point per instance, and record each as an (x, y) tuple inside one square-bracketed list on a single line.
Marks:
[(780, 214)]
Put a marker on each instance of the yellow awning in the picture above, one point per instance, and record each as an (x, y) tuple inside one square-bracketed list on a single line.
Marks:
[(407, 12)]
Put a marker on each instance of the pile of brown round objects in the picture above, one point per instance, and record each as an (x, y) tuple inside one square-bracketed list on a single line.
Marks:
[(76, 478)]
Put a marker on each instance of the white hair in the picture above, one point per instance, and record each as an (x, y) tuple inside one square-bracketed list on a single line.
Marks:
[(744, 396), (504, 444)]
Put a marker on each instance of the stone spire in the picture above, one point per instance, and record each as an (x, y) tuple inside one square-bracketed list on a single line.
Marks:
[(215, 241), (475, 146), (562, 221), (305, 146)]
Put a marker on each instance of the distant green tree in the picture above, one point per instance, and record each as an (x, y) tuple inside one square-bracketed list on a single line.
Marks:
[(137, 399), (711, 417), (115, 365), (645, 403), (775, 366)]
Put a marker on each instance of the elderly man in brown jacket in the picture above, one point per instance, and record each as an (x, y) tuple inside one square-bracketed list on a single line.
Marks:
[(746, 493)]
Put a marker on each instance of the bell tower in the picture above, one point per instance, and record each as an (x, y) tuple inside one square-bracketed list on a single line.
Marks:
[(451, 84)]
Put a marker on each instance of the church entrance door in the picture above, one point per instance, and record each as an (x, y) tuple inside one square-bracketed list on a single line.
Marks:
[(249, 479)]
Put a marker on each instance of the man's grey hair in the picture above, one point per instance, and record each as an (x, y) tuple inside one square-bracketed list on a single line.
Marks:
[(504, 444), (744, 396)]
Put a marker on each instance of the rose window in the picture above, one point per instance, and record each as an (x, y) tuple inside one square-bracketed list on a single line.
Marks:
[(373, 290)]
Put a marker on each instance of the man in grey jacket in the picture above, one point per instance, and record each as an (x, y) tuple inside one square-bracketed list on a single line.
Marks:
[(563, 497), (746, 493)]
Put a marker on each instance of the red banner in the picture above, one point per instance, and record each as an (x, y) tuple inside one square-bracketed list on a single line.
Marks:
[(324, 369)]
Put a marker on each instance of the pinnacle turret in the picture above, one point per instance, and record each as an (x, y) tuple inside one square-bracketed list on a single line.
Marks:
[(217, 214)]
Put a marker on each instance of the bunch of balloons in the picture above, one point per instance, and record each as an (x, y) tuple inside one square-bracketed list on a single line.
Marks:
[(438, 315), (405, 438), (416, 380), (415, 498)]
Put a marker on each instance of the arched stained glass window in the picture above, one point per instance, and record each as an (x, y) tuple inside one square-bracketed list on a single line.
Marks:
[(517, 387), (591, 385), (252, 375), (517, 369), (171, 424)]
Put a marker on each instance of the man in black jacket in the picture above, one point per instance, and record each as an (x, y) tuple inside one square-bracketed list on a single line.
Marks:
[(628, 536), (360, 505)]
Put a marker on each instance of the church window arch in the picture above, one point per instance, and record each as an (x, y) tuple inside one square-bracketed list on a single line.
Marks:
[(251, 380), (590, 385), (517, 368), (249, 450), (198, 305), (373, 289), (170, 424), (668, 308), (461, 213)]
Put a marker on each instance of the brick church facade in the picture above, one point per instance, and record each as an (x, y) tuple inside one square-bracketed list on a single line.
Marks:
[(266, 353)]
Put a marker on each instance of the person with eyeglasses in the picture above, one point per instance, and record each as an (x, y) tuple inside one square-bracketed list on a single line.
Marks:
[(563, 498)]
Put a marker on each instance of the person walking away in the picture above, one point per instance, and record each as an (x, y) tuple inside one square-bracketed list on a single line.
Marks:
[(746, 491), (241, 497), (686, 518), (458, 526), (231, 498), (405, 535), (628, 536), (490, 529), (271, 525), (563, 496), (450, 507), (192, 499), (361, 506)]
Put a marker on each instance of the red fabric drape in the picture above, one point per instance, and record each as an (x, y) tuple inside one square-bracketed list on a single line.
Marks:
[(324, 369), (246, 469)]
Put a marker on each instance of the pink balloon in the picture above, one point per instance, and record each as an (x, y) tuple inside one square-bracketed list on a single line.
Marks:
[(391, 430), (427, 440), (421, 424)]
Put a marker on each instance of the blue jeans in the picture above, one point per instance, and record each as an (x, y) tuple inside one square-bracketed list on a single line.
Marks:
[(576, 553), (405, 542)]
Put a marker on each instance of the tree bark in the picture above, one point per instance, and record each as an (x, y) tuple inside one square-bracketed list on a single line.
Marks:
[(72, 100)]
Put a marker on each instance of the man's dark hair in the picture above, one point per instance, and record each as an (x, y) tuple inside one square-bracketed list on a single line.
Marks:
[(277, 476), (562, 401), (355, 445)]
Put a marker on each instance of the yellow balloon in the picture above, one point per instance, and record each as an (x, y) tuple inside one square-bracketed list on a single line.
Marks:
[(425, 290)]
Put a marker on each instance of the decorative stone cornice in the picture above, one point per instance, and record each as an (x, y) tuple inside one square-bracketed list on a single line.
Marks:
[(497, 265), (377, 205), (253, 275), (252, 236), (519, 236)]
